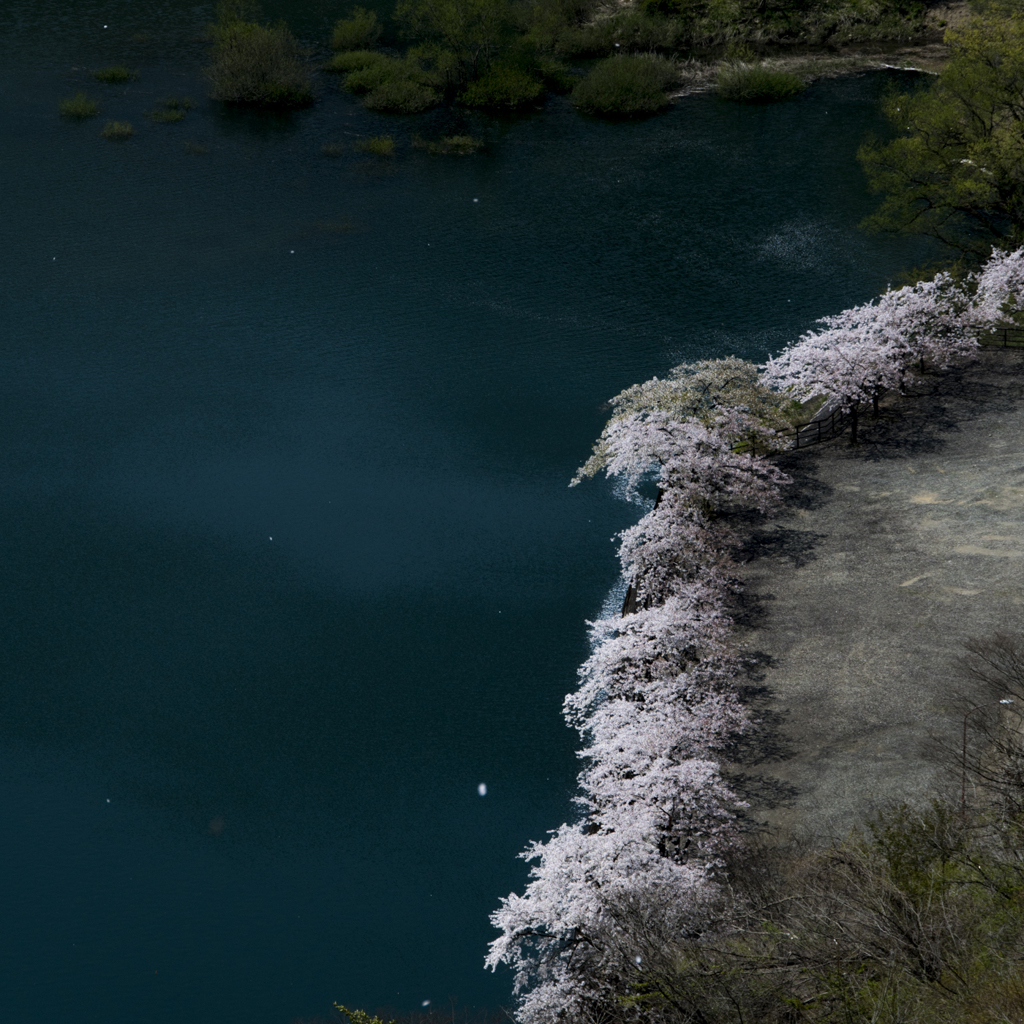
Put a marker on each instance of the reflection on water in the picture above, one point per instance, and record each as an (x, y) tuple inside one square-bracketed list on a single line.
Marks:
[(290, 564)]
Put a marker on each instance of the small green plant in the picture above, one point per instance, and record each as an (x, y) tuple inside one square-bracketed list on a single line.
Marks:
[(626, 86), (450, 145), (195, 148), (115, 74), (754, 83), (503, 87), (379, 145), (78, 106), (171, 109), (359, 31), (332, 149), (117, 130), (257, 65)]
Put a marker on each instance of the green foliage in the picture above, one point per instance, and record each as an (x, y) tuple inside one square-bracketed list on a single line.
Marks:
[(359, 31), (630, 31), (171, 109), (955, 171), (355, 60), (450, 145), (332, 149), (360, 1016), (117, 130), (754, 83), (503, 87), (78, 106), (115, 74), (257, 65), (195, 148), (555, 75), (401, 96), (379, 145), (460, 38), (627, 86), (393, 85), (693, 389)]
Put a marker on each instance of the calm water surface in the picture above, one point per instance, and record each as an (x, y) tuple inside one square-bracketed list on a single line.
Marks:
[(289, 561)]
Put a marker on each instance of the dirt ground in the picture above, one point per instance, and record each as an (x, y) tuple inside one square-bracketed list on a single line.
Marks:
[(857, 598)]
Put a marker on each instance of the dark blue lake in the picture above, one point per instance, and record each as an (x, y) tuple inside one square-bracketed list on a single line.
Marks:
[(289, 563)]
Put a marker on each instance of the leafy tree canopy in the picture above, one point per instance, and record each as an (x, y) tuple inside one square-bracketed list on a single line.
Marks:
[(697, 390), (956, 171)]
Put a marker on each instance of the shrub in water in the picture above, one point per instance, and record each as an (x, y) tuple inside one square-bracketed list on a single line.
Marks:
[(556, 75), (450, 145), (358, 31), (355, 60), (401, 96), (332, 149), (502, 88), (379, 145), (78, 106), (114, 74), (625, 87), (171, 109), (753, 83), (394, 86), (257, 65), (373, 76), (117, 130)]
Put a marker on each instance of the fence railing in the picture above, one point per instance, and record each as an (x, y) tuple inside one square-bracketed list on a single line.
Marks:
[(1004, 337), (825, 427)]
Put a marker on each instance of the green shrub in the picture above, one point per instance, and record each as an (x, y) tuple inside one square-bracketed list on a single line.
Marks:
[(79, 106), (503, 87), (401, 96), (196, 148), (754, 83), (394, 86), (556, 75), (450, 145), (171, 109), (379, 145), (359, 31), (625, 87), (332, 149), (117, 130), (373, 76), (257, 65), (115, 74), (355, 60), (631, 31)]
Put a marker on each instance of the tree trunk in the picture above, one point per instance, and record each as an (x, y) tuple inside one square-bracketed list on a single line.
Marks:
[(853, 424)]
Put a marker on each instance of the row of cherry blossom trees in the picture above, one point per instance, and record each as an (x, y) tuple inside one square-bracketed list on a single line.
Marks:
[(657, 703), (869, 349)]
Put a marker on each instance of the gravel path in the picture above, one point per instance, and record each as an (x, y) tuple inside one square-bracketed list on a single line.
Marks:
[(858, 596)]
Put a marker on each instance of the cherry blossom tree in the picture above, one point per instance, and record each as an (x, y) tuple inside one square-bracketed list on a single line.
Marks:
[(698, 391), (999, 289), (656, 706)]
